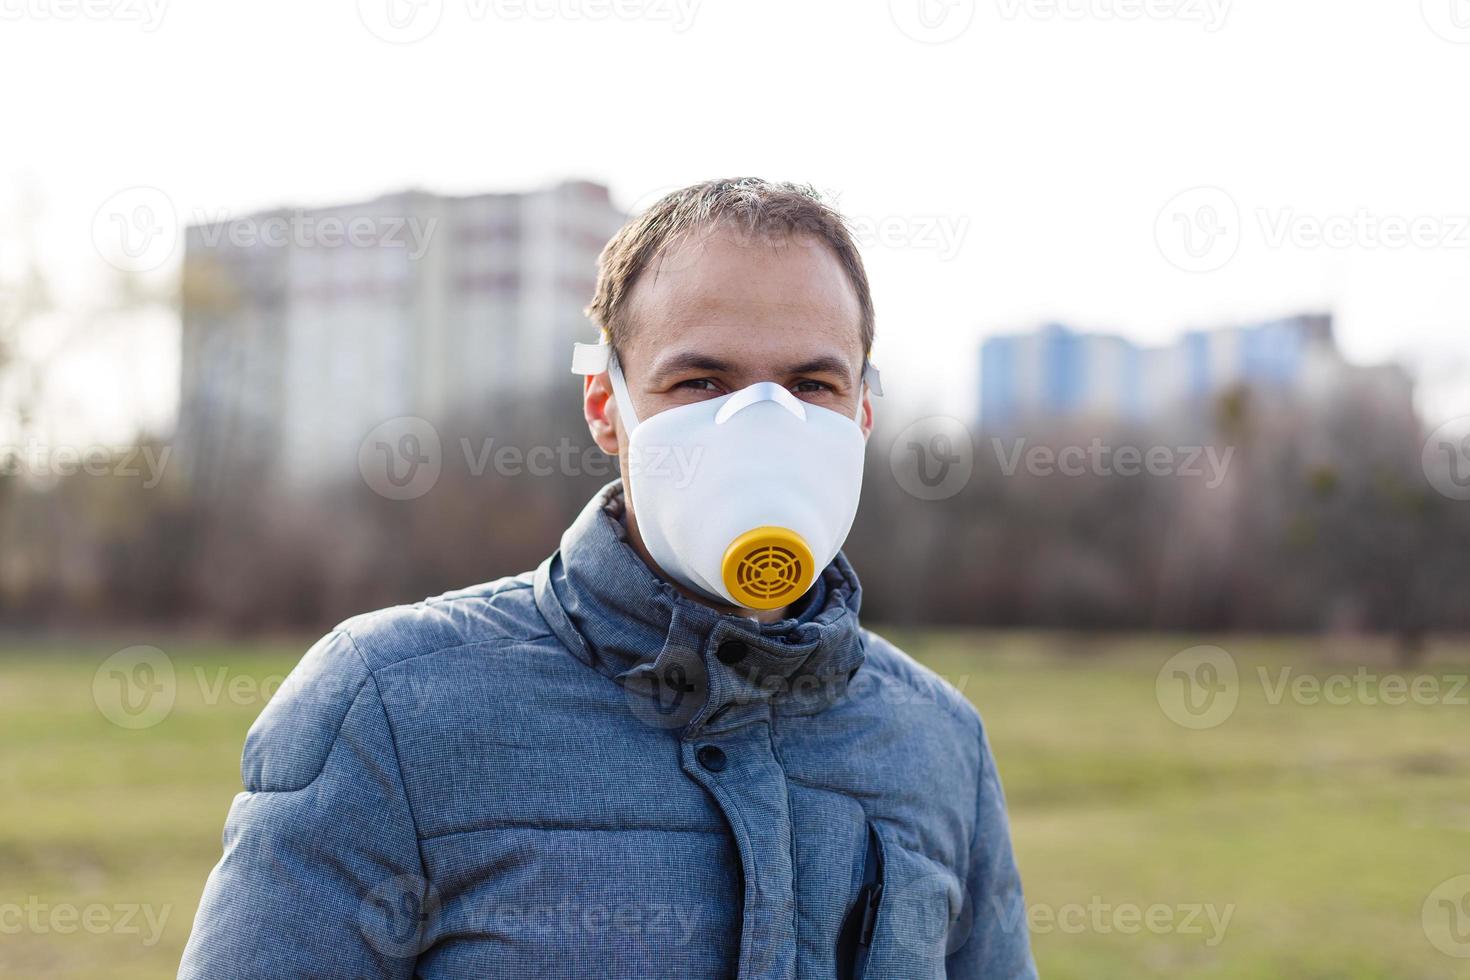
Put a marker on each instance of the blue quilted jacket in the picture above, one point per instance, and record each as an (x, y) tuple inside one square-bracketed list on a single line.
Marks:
[(577, 772)]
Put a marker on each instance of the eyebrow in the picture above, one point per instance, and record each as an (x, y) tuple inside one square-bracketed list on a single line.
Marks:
[(695, 361), (691, 361), (825, 364)]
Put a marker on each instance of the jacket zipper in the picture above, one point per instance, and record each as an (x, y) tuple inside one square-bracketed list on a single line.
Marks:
[(856, 942)]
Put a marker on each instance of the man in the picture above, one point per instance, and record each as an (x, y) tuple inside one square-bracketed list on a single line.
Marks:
[(670, 751)]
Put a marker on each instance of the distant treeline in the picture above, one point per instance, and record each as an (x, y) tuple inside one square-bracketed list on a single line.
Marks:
[(1258, 515)]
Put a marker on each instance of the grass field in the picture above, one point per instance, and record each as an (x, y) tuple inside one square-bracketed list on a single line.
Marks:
[(1300, 837)]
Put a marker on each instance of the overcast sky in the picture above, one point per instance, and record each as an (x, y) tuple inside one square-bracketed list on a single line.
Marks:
[(1138, 166)]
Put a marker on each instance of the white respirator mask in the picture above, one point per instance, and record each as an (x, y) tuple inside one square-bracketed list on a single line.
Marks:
[(745, 498)]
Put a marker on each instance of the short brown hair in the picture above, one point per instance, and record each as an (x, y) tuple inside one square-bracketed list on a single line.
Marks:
[(765, 210)]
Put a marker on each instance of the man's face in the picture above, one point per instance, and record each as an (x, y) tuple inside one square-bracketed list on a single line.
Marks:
[(720, 311)]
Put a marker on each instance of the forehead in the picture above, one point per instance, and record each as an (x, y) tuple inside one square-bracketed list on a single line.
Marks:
[(723, 290)]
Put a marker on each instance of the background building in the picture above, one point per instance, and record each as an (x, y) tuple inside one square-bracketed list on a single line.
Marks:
[(304, 329), (1056, 373)]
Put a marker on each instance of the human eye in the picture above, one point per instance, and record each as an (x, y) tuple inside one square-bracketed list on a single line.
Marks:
[(810, 386), (698, 384)]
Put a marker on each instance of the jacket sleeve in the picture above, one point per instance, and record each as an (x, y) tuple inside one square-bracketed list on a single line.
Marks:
[(321, 875), (994, 943)]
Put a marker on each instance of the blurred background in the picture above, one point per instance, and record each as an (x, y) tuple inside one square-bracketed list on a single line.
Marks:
[(1172, 477)]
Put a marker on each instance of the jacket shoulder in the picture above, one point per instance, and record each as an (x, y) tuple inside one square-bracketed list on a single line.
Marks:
[(919, 682), (502, 610), (289, 744)]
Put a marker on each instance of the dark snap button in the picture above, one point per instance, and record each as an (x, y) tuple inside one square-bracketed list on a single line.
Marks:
[(731, 652), (712, 757)]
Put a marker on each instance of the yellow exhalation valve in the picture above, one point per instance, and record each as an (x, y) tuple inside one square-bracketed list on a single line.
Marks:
[(767, 567)]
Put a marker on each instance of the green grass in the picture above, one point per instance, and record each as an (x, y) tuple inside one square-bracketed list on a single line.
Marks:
[(1319, 828)]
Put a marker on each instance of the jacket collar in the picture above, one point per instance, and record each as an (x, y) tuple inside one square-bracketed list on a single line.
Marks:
[(610, 609)]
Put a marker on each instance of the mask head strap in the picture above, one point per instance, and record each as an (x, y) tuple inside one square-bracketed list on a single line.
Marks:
[(599, 357)]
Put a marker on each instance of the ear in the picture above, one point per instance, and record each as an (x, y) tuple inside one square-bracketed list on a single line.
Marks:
[(600, 410), (867, 420)]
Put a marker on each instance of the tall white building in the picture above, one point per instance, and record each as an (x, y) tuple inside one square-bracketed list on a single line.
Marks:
[(305, 329)]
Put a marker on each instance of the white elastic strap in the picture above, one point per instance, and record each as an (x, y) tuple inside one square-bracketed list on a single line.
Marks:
[(872, 378), (590, 358), (620, 392)]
